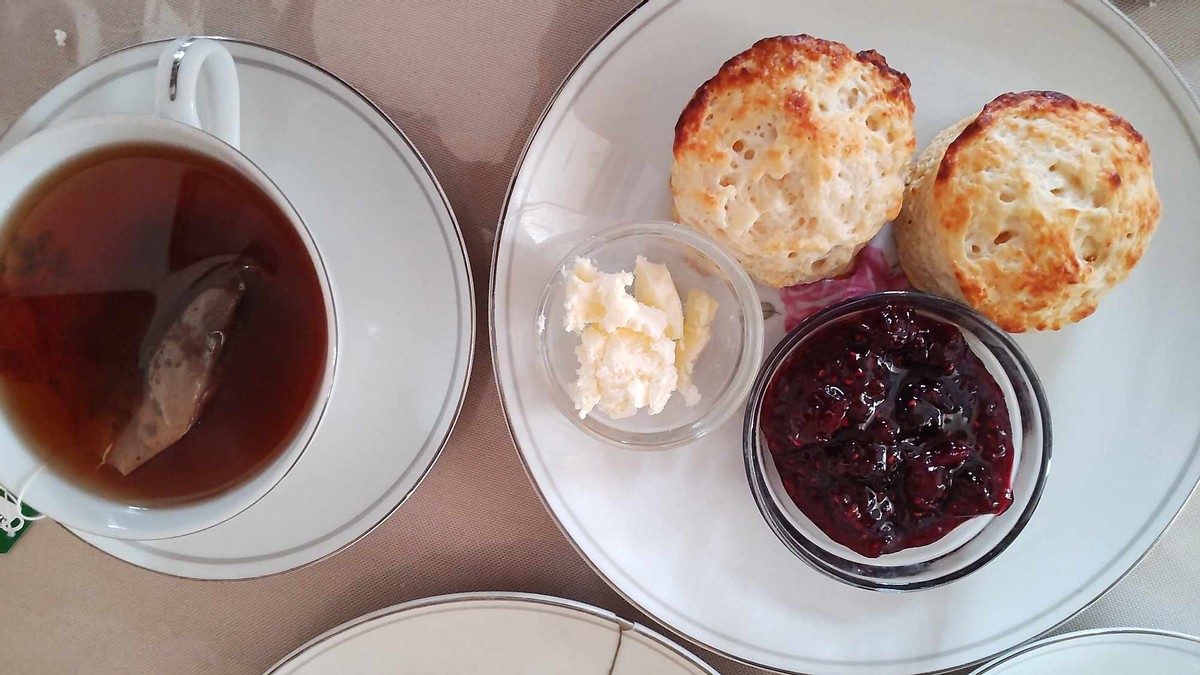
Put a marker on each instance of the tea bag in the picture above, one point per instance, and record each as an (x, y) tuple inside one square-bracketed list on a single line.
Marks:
[(179, 373)]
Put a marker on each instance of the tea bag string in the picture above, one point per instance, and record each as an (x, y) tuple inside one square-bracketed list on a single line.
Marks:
[(21, 493), (13, 524)]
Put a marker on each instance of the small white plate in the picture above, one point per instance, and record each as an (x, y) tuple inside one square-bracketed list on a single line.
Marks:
[(1110, 651), (402, 294), (496, 633), (676, 532)]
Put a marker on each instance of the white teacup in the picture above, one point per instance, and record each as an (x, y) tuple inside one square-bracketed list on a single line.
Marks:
[(184, 65)]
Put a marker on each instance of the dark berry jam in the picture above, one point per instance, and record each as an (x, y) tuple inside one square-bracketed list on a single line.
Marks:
[(888, 430)]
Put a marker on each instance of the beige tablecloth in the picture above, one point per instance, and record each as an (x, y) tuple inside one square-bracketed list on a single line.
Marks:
[(466, 79)]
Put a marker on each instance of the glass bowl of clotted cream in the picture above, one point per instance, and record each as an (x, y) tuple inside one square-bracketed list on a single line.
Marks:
[(649, 335)]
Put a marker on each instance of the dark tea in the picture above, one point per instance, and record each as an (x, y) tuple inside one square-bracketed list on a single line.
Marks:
[(143, 269)]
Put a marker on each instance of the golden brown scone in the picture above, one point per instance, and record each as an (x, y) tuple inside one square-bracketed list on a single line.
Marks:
[(792, 156), (1030, 210)]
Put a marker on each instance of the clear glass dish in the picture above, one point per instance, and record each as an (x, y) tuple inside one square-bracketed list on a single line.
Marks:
[(972, 544), (725, 370)]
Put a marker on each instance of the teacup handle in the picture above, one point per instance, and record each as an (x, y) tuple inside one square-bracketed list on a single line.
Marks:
[(180, 68)]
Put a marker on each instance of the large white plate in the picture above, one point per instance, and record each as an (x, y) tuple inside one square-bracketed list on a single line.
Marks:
[(496, 633), (402, 295), (1119, 651), (677, 532)]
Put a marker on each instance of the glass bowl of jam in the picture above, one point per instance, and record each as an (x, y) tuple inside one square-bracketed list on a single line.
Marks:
[(897, 441)]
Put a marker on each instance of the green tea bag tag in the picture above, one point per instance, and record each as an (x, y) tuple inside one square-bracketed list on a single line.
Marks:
[(15, 520)]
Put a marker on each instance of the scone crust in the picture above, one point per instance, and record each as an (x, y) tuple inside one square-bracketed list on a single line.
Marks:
[(792, 156), (1029, 211)]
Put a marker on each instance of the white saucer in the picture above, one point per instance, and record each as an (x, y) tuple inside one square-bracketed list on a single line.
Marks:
[(496, 633), (677, 532), (402, 293), (1110, 651)]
